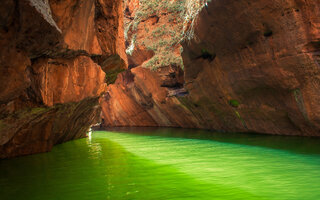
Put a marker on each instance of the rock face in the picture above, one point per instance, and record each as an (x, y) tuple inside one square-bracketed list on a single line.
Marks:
[(253, 67), (141, 97), (52, 69), (138, 99), (153, 30), (262, 55)]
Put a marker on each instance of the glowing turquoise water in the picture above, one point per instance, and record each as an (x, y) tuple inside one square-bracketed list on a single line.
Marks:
[(167, 164)]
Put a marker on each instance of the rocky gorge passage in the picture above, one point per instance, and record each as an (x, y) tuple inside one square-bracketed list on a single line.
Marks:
[(226, 65), (54, 56), (251, 67)]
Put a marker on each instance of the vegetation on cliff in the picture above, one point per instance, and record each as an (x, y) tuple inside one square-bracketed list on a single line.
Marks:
[(160, 26)]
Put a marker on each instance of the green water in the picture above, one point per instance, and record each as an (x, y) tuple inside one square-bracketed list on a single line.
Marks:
[(167, 164)]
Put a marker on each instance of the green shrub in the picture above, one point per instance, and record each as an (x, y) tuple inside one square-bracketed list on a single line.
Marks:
[(234, 103), (163, 43), (160, 31), (111, 76), (172, 33)]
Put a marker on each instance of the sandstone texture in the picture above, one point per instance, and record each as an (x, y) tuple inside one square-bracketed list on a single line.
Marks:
[(140, 97), (253, 66), (54, 57), (153, 31)]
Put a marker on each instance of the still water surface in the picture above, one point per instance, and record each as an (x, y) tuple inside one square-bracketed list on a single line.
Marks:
[(167, 164)]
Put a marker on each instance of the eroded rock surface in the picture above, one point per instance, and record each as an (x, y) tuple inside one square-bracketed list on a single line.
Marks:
[(141, 97), (263, 55), (253, 67), (52, 69)]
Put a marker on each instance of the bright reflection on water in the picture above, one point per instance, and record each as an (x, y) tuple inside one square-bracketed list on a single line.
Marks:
[(165, 164)]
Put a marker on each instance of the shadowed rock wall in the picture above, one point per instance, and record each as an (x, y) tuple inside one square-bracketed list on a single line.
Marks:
[(52, 69), (253, 66)]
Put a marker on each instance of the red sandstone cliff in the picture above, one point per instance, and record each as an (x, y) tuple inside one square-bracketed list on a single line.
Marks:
[(253, 67), (51, 60), (266, 57)]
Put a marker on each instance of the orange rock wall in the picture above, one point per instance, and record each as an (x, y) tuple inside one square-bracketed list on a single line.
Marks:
[(263, 55), (137, 99), (266, 58), (67, 80), (51, 72)]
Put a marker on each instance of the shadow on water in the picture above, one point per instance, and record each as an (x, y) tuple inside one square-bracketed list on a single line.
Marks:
[(296, 144), (102, 170)]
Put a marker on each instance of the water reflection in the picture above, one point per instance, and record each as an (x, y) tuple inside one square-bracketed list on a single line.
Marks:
[(167, 164), (297, 144)]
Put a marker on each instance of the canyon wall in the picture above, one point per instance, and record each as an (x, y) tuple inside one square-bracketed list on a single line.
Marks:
[(54, 58), (251, 67), (145, 94)]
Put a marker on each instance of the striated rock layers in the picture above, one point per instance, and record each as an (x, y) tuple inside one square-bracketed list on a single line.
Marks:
[(254, 66), (53, 60)]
